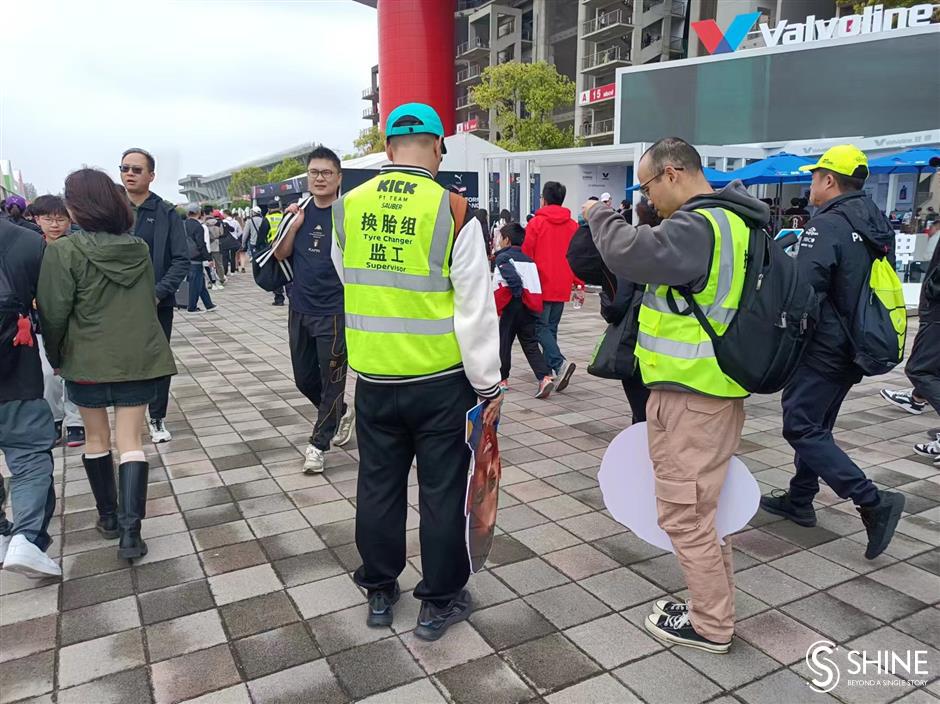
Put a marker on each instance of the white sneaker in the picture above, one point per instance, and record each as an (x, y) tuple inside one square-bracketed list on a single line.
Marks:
[(158, 431), (314, 460), (26, 559), (344, 430), (904, 400), (928, 449), (4, 544), (218, 287)]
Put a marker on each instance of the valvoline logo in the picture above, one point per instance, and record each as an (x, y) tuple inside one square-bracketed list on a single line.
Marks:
[(722, 43)]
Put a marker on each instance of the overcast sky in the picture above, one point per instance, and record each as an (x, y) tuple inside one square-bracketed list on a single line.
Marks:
[(202, 84)]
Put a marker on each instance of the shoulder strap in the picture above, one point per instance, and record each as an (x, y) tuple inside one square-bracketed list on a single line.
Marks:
[(459, 210)]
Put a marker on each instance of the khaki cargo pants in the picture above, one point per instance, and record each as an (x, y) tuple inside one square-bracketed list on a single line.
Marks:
[(691, 441)]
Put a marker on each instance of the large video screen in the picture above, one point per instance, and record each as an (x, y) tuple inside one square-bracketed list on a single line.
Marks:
[(889, 86)]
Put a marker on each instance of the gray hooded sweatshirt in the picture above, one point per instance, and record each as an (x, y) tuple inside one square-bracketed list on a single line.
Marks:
[(678, 251)]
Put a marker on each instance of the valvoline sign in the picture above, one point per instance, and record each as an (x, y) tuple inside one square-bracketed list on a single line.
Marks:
[(872, 19)]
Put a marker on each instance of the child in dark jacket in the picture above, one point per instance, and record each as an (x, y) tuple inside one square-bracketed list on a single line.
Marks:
[(519, 302)]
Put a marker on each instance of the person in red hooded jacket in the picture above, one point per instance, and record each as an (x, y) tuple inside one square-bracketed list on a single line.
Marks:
[(547, 237)]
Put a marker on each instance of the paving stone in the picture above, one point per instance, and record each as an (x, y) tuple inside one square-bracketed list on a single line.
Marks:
[(168, 573), (212, 515), (742, 664), (580, 561), (488, 680), (120, 688), (375, 666), (232, 557), (310, 682), (193, 674), (836, 619), (665, 678), (923, 625), (530, 576), (876, 599), (26, 677), (770, 585), (465, 645), (164, 604), (94, 658), (99, 620), (260, 613), (270, 651), (551, 662), (184, 635), (567, 605), (781, 686), (602, 688), (778, 635), (293, 543), (26, 605), (910, 580), (612, 641), (421, 691), (506, 550), (244, 584), (325, 596), (230, 695), (345, 629), (510, 623), (308, 567), (626, 548), (813, 569)]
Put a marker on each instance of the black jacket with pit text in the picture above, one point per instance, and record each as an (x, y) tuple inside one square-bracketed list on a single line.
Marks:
[(835, 256)]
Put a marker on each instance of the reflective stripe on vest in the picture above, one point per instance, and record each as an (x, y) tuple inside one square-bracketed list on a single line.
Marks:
[(672, 348), (396, 233)]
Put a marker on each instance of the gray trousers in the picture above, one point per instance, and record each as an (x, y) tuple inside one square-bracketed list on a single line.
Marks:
[(27, 434), (923, 366)]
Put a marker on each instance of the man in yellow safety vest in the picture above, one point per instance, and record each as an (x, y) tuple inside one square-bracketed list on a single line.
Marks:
[(422, 334), (695, 412)]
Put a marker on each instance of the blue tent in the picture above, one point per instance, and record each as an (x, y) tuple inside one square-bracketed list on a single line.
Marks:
[(913, 161), (778, 168)]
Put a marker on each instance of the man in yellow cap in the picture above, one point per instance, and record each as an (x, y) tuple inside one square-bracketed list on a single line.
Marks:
[(835, 255)]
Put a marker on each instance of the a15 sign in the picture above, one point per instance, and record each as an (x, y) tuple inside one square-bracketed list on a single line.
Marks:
[(595, 95)]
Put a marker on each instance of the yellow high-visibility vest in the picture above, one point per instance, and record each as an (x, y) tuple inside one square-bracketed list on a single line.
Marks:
[(396, 233), (673, 348)]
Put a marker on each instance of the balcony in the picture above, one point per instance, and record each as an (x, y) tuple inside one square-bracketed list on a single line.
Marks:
[(598, 128), (370, 93), (608, 24), (505, 29), (474, 124), (370, 113), (475, 47), (678, 7), (468, 74), (465, 101), (605, 59), (527, 33), (677, 45)]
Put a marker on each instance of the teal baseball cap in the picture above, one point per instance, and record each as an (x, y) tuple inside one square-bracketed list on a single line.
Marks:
[(414, 118)]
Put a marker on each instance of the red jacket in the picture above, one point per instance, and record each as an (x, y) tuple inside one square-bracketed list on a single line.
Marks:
[(546, 240)]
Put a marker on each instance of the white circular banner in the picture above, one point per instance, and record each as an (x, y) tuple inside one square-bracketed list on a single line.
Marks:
[(626, 479)]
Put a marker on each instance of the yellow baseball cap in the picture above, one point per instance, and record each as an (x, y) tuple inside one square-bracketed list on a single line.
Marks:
[(845, 159)]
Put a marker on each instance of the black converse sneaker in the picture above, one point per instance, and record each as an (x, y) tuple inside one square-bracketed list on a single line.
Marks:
[(678, 630), (664, 607)]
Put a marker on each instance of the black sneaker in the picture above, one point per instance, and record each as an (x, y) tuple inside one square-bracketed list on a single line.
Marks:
[(433, 621), (778, 503), (678, 630), (880, 521), (74, 436), (380, 608), (664, 607)]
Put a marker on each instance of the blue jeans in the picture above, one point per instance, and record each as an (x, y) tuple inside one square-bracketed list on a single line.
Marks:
[(27, 434), (811, 404), (197, 286), (547, 331)]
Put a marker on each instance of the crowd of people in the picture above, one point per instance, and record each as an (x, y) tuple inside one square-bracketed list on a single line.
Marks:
[(400, 281)]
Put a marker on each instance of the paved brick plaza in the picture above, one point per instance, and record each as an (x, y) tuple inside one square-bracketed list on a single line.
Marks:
[(246, 594)]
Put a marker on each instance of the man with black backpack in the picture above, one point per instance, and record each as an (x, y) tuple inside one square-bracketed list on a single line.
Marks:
[(847, 246), (27, 430), (695, 412)]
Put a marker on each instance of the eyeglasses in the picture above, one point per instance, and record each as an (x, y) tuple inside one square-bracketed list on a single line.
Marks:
[(644, 188), (53, 219), (317, 173), (136, 170)]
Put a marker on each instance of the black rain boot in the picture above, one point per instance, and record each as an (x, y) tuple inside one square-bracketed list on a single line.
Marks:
[(132, 478), (100, 473)]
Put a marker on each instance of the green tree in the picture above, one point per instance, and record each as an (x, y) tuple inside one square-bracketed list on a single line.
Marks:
[(244, 179), (29, 190), (859, 5), (525, 96), (370, 141), (285, 170)]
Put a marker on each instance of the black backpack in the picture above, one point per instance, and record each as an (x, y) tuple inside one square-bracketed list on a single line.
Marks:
[(14, 319), (776, 317)]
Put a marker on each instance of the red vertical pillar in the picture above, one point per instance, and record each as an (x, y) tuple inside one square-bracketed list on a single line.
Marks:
[(416, 56)]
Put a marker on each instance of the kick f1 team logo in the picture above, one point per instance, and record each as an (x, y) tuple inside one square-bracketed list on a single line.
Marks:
[(718, 43)]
